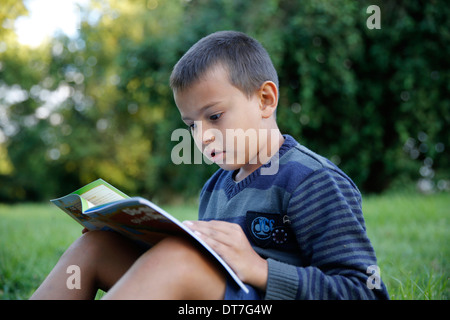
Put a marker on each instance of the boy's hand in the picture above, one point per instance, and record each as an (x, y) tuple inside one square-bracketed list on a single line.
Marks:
[(229, 241)]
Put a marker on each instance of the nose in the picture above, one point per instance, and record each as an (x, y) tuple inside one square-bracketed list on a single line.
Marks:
[(208, 137), (203, 135), (207, 134)]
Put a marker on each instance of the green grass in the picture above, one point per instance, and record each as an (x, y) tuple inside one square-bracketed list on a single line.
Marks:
[(33, 237), (409, 233)]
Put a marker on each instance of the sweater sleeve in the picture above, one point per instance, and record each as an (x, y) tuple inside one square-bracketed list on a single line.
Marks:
[(326, 216)]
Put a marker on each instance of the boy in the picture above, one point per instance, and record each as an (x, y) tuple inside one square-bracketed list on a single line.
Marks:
[(286, 220)]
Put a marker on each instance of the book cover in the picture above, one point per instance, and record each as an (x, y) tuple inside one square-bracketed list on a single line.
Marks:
[(100, 206)]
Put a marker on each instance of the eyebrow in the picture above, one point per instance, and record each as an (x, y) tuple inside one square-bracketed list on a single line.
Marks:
[(202, 109)]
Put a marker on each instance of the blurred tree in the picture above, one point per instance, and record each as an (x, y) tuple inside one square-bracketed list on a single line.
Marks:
[(21, 148)]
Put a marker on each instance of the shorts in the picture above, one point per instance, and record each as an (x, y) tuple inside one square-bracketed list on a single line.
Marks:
[(235, 292)]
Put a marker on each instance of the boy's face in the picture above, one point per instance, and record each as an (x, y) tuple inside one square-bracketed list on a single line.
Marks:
[(225, 123)]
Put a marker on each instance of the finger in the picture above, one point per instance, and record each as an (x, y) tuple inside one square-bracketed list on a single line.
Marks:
[(214, 243), (218, 230), (219, 226), (214, 234)]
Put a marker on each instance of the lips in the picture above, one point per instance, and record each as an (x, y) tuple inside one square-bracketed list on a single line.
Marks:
[(215, 155)]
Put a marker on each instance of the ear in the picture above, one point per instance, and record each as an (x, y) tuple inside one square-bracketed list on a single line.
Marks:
[(268, 95)]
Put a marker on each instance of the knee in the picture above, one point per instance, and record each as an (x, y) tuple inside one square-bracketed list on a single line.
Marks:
[(177, 249), (193, 272), (92, 243), (97, 238), (179, 255), (177, 269)]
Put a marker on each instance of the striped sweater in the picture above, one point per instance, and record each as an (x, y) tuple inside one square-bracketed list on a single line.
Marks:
[(306, 220)]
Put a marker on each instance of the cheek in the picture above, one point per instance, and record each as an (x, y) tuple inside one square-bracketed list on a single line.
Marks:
[(198, 142), (196, 136)]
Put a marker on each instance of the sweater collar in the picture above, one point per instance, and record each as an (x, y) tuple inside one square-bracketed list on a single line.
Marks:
[(232, 187)]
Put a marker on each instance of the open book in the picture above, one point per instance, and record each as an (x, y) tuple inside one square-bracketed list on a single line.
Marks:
[(100, 206)]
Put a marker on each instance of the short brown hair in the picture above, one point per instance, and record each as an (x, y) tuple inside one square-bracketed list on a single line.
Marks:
[(245, 59)]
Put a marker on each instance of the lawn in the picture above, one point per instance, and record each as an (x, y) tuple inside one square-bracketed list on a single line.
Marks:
[(409, 233), (411, 237)]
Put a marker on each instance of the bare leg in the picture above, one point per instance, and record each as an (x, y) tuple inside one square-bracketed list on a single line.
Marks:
[(102, 256), (173, 269)]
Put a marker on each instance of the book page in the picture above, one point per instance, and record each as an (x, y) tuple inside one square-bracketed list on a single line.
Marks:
[(100, 195)]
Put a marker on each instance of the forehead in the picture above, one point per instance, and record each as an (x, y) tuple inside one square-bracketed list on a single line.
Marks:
[(216, 74), (212, 86)]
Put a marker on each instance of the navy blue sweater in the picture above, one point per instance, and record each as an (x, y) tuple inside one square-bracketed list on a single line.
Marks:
[(306, 220)]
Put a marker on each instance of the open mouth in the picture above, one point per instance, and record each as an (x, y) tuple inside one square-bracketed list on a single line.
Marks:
[(216, 155)]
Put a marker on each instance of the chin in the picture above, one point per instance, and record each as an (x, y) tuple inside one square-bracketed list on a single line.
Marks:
[(229, 167)]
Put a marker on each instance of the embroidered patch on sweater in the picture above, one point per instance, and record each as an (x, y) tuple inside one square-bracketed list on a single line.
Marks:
[(269, 229)]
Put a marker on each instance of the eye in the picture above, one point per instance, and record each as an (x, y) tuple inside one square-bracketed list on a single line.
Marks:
[(192, 126), (215, 117)]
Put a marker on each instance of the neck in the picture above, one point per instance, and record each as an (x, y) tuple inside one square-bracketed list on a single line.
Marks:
[(273, 142)]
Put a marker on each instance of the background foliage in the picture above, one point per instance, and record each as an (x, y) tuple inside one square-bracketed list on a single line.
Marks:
[(376, 102)]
